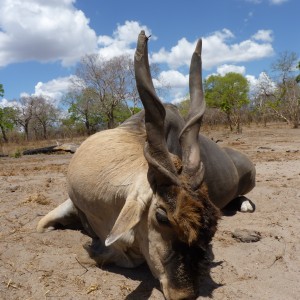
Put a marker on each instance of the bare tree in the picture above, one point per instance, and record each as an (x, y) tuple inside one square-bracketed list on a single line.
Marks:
[(25, 113), (110, 85), (45, 114), (262, 95), (36, 114), (286, 102)]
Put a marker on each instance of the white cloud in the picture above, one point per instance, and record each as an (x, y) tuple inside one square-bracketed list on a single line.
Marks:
[(174, 78), (178, 83), (263, 83), (31, 32), (263, 35), (217, 50), (8, 103), (179, 55), (123, 40), (224, 69), (43, 31), (54, 89)]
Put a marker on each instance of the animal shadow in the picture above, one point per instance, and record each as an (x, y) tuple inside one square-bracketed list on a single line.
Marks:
[(148, 283)]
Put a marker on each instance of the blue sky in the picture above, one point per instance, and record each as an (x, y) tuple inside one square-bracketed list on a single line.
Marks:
[(41, 41)]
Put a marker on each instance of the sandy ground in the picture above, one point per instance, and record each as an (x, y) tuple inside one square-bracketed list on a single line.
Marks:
[(45, 266)]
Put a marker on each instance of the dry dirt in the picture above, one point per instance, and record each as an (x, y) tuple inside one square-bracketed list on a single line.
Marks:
[(44, 266)]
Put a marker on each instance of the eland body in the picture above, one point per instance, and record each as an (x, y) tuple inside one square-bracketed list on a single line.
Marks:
[(151, 189)]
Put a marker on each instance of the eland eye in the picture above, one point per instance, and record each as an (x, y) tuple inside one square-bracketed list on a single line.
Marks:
[(161, 216)]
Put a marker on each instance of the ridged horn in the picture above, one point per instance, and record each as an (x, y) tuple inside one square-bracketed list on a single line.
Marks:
[(156, 152), (191, 158)]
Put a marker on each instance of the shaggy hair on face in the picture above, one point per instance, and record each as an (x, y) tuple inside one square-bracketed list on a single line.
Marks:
[(193, 216)]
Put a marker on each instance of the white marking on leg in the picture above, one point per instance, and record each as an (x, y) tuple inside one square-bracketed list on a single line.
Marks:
[(246, 206)]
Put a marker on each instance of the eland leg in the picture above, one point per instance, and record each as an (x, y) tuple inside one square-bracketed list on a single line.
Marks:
[(63, 215), (246, 171)]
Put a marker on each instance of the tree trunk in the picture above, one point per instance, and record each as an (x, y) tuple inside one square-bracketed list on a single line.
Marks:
[(238, 125), (296, 120), (229, 121), (4, 134), (111, 120), (87, 125), (26, 129), (44, 131)]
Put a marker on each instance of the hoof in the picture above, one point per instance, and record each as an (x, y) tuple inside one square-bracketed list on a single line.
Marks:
[(246, 205)]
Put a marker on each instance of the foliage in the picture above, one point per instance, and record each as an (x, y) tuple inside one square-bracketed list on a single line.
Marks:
[(184, 106), (17, 154), (122, 113), (229, 93), (83, 109), (7, 121)]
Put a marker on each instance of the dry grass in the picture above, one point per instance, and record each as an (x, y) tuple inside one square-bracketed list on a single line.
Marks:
[(38, 198)]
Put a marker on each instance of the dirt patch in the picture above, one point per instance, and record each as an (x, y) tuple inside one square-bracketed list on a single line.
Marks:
[(45, 266)]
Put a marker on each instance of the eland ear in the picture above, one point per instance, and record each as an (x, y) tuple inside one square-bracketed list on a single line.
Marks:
[(129, 216)]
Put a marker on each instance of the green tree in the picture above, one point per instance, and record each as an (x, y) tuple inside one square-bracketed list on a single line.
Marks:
[(229, 93), (7, 121), (83, 109), (184, 106), (1, 90), (123, 112)]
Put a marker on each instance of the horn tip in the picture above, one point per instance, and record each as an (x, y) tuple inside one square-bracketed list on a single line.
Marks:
[(199, 46), (141, 45)]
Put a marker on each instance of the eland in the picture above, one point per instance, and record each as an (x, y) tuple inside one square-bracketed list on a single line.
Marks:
[(152, 189)]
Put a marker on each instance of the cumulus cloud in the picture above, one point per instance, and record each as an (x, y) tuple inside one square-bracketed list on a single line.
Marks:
[(178, 83), (173, 78), (262, 84), (7, 103), (43, 31), (179, 55), (55, 30), (224, 69), (263, 35), (218, 49), (54, 89), (123, 40)]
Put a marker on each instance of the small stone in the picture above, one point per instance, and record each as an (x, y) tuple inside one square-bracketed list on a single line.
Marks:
[(246, 236)]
